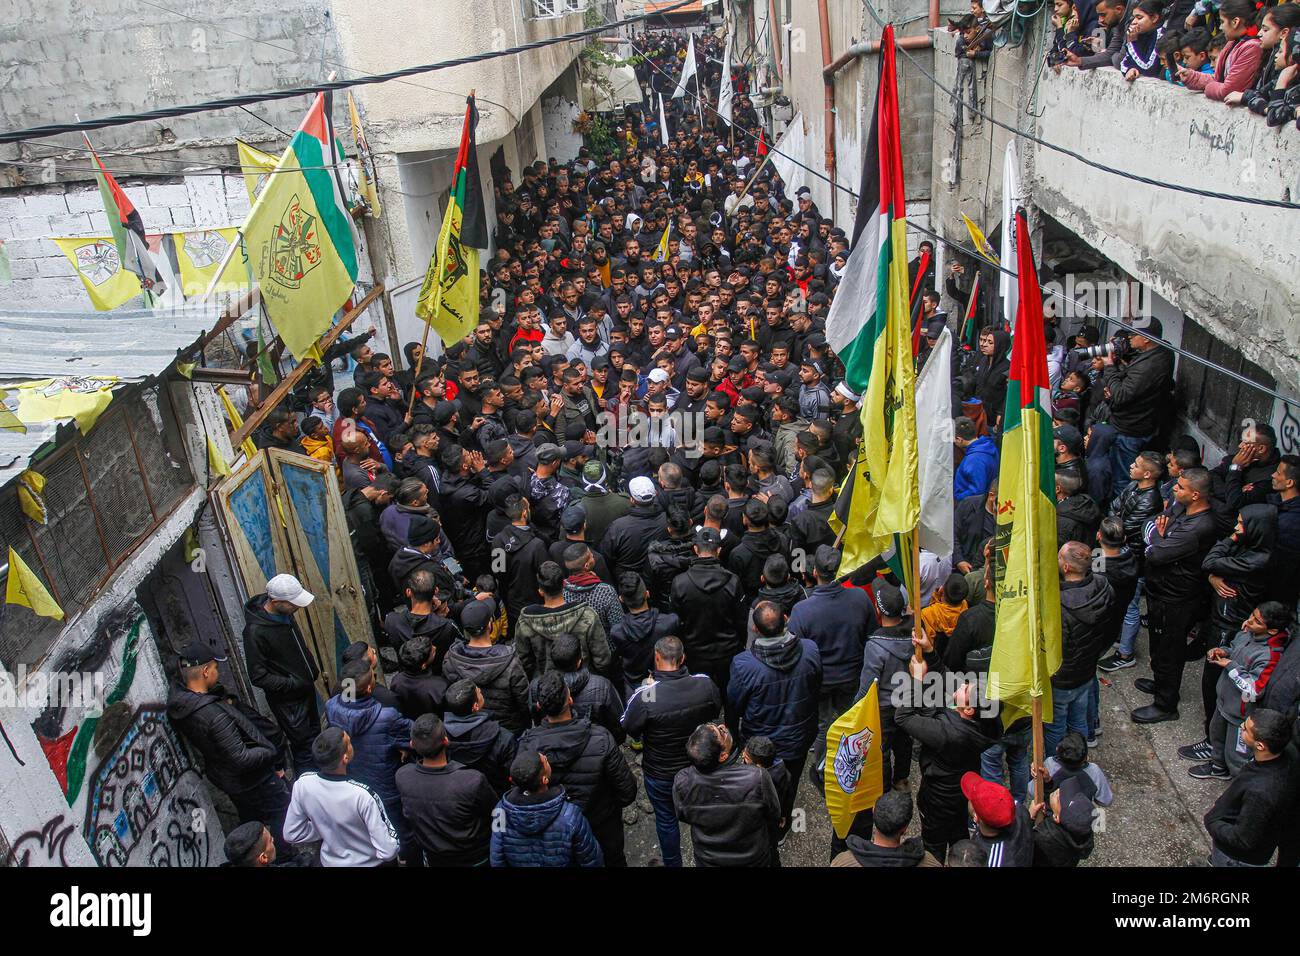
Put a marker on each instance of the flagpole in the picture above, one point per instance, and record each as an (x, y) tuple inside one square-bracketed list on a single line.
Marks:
[(424, 339)]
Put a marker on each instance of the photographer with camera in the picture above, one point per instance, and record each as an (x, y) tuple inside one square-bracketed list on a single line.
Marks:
[(1138, 378)]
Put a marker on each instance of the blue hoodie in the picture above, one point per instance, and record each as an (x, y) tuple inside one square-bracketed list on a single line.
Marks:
[(978, 468)]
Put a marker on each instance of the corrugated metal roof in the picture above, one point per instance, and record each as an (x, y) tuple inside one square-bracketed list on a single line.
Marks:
[(131, 344)]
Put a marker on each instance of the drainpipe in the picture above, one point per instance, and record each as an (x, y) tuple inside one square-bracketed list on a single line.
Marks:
[(828, 117), (873, 46)]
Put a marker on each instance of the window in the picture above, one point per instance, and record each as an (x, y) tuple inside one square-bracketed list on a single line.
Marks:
[(543, 9), (105, 493), (1217, 403)]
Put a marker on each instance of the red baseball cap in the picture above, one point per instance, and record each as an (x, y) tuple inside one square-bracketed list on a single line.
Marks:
[(993, 802)]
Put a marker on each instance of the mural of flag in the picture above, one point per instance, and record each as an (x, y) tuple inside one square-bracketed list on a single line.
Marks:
[(449, 298), (298, 235), (1027, 639), (868, 327), (128, 230)]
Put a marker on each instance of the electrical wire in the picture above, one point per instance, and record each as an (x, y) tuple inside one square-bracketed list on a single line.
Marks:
[(22, 135), (983, 262)]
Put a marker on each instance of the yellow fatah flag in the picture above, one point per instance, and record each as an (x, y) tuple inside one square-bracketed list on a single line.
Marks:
[(978, 239), (200, 252), (367, 180), (236, 422), (51, 399), (854, 767), (256, 167), (449, 298), (31, 495), (24, 588), (661, 251), (100, 269), (216, 464)]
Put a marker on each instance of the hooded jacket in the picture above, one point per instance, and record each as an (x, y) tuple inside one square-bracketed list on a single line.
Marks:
[(418, 692), (481, 743), (597, 595), (586, 760), (1101, 476), (603, 508), (627, 540), (401, 625), (978, 468), (633, 640), (839, 621), (749, 556), (379, 734), (544, 829), (1244, 566), (709, 600), (1254, 658), (664, 719), (773, 692), (1085, 611), (594, 697), (988, 378), (497, 673), (731, 811), (862, 852), (525, 552), (280, 663), (538, 625), (1056, 846), (884, 657), (237, 753), (1077, 519)]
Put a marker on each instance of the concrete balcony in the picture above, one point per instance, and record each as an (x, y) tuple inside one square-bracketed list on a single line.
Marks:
[(1229, 265)]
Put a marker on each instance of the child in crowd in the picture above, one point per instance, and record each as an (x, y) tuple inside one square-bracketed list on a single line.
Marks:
[(761, 752), (1141, 55), (1194, 51), (940, 616), (316, 441), (1239, 63)]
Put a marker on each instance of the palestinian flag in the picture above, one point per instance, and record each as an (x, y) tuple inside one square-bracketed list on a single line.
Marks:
[(1027, 639), (449, 299), (868, 327), (128, 230), (299, 234)]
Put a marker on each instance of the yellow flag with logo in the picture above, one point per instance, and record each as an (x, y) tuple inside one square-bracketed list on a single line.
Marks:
[(200, 252), (24, 588), (99, 267), (854, 777), (256, 167), (978, 239), (31, 496)]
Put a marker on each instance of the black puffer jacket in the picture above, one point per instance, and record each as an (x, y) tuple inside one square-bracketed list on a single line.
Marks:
[(633, 640), (731, 811), (1140, 390), (1135, 507), (666, 559), (1085, 611), (237, 754), (496, 672), (589, 764), (280, 663), (627, 540), (709, 599), (1244, 566), (664, 719)]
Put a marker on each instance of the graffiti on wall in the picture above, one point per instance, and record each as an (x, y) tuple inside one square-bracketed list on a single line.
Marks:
[(46, 844), (123, 768)]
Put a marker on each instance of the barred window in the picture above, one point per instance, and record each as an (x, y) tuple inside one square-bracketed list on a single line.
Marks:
[(1217, 403), (105, 493)]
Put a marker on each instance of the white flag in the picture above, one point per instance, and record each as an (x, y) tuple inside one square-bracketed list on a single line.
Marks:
[(1008, 286), (725, 91), (663, 121), (688, 70), (934, 447)]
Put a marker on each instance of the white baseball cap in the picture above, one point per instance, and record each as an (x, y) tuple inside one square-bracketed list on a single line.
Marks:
[(658, 375), (641, 488), (285, 587)]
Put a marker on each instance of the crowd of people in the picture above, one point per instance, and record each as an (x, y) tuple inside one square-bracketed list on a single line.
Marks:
[(1240, 52), (595, 537)]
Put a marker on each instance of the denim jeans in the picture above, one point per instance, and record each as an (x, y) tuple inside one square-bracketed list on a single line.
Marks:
[(1122, 453), (1219, 858), (1069, 712), (660, 792), (1128, 634), (1015, 748)]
